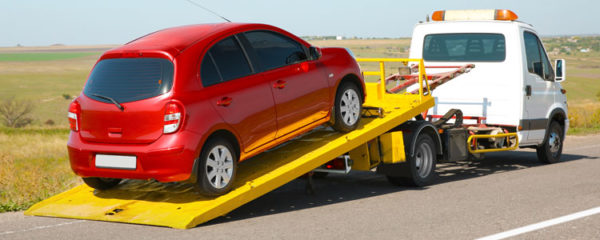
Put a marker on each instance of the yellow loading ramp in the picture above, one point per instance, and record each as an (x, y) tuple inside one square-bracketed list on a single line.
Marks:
[(179, 206)]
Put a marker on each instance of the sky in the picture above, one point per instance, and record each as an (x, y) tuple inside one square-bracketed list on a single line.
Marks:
[(85, 22)]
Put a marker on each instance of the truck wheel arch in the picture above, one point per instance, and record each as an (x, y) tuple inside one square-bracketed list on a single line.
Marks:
[(559, 115), (411, 131)]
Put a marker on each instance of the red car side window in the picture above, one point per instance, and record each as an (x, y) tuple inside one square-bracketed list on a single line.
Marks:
[(209, 73), (275, 50), (230, 59)]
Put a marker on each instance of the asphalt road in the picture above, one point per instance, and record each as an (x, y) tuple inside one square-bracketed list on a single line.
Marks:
[(505, 191)]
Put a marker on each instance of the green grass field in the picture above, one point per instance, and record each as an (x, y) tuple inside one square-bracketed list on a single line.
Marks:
[(34, 162), (46, 56), (583, 78), (384, 48), (34, 166), (44, 82)]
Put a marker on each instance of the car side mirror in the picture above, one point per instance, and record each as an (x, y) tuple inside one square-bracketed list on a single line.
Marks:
[(295, 57), (315, 53), (560, 70)]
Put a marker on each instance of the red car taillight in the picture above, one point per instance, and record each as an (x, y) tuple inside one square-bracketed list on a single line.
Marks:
[(173, 115), (74, 111)]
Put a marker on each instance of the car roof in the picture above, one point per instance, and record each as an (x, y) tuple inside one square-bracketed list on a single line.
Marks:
[(173, 41)]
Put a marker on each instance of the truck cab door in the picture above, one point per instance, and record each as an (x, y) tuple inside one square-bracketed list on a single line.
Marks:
[(539, 89)]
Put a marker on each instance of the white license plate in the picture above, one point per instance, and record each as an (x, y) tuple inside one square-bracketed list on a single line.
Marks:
[(116, 161)]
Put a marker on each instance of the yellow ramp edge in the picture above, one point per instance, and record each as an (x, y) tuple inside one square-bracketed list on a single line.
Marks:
[(176, 205)]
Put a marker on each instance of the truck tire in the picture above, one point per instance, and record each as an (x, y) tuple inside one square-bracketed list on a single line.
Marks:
[(421, 165), (551, 150), (217, 167), (320, 175), (101, 183)]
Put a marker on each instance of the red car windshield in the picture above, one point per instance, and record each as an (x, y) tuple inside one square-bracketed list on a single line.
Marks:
[(129, 79)]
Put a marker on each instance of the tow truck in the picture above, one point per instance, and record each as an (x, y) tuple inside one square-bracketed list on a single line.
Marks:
[(396, 137)]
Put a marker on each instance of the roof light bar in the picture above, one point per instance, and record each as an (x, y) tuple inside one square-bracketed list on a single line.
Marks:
[(506, 15), (465, 15)]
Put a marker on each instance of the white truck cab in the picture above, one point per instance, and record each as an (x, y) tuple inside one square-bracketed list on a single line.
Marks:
[(513, 84)]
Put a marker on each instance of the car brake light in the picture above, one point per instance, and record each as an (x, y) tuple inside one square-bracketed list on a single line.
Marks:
[(74, 110), (131, 54), (173, 114)]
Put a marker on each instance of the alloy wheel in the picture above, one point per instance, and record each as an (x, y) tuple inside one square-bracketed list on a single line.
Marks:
[(350, 107), (219, 166)]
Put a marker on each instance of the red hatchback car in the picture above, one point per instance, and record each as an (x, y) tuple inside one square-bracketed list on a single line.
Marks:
[(188, 103)]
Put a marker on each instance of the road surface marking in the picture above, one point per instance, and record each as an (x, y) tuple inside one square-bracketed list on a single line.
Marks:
[(40, 227), (544, 224)]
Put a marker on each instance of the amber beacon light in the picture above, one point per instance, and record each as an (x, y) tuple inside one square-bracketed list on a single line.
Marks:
[(462, 15)]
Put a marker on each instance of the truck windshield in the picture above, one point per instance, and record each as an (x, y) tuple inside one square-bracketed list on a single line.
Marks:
[(129, 79), (464, 47)]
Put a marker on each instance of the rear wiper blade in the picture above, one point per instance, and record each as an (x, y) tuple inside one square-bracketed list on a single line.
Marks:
[(109, 99)]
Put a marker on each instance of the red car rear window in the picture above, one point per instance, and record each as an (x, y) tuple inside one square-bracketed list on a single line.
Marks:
[(130, 79)]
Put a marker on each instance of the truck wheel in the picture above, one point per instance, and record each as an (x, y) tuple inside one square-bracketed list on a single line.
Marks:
[(320, 174), (551, 150), (101, 183), (217, 167), (421, 164), (348, 107)]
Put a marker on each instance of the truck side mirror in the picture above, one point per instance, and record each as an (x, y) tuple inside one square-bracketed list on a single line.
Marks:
[(560, 70), (314, 52)]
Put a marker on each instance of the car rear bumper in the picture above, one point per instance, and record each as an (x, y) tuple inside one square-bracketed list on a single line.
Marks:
[(168, 159)]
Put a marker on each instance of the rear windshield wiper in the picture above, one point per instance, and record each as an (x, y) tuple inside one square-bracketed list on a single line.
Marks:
[(109, 99)]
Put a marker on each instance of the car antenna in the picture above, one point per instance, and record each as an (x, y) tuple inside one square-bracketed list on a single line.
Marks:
[(208, 10)]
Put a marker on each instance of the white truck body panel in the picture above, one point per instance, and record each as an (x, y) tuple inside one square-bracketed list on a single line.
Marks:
[(494, 89)]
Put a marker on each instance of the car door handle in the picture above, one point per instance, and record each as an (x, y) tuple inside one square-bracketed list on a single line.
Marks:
[(528, 90), (280, 84), (224, 102)]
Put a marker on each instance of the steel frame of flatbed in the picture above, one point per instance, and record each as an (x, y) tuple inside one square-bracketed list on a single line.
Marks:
[(177, 205)]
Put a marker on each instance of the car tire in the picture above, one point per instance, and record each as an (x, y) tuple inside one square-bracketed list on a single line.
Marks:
[(348, 107), (551, 150), (421, 164), (217, 167), (101, 183)]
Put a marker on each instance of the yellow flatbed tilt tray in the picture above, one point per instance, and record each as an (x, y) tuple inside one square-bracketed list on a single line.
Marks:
[(177, 205)]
